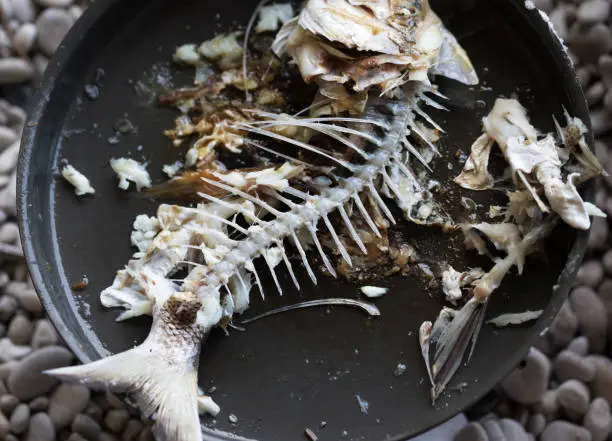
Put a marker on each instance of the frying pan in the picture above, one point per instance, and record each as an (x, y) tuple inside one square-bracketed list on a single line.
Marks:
[(298, 369)]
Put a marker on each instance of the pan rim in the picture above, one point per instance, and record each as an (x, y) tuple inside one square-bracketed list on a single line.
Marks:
[(30, 139)]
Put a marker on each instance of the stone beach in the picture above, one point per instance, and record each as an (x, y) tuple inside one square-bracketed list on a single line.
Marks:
[(561, 392)]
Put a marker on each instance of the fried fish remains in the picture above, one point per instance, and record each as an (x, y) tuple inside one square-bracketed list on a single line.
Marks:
[(303, 171)]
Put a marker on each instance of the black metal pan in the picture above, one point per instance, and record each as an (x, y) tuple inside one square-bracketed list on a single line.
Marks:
[(298, 369)]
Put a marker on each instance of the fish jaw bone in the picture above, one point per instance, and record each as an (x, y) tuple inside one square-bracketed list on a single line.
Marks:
[(161, 373)]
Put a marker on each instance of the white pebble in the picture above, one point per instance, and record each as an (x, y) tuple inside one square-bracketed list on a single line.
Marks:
[(24, 11), (24, 38)]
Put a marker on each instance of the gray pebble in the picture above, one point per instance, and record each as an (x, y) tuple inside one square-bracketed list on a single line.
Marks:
[(7, 368), (75, 437), (23, 10), (574, 398), (116, 419), (7, 137), (598, 420), (565, 431), (20, 419), (10, 351), (8, 403), (598, 236), (44, 334), (40, 64), (548, 405), (27, 380), (11, 437), (147, 435), (592, 317), (569, 365), (590, 274), (24, 38), (588, 45), (9, 157), (131, 431), (39, 404), (601, 123), (595, 93), (606, 261), (6, 7), (52, 25), (564, 326), (26, 296), (536, 424), (607, 100), (559, 18), (601, 386), (605, 69), (16, 115), (40, 428), (87, 427), (584, 74), (4, 426), (111, 401), (601, 151), (527, 385), (470, 432), (512, 430), (95, 412), (20, 330), (8, 307), (75, 12), (15, 70), (55, 3), (579, 345), (105, 436), (593, 11), (492, 428), (67, 402)]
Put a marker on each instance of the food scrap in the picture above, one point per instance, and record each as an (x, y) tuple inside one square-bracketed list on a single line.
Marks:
[(78, 180)]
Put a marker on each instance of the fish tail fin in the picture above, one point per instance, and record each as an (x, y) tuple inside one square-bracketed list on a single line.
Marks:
[(160, 387)]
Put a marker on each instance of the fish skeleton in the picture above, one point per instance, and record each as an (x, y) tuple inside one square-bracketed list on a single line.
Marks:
[(161, 373)]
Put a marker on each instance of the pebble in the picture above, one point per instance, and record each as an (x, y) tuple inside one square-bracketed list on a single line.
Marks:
[(595, 93), (75, 437), (598, 420), (601, 123), (527, 385), (7, 368), (565, 431), (544, 5), (8, 403), (147, 435), (10, 351), (44, 334), (94, 411), (492, 428), (87, 427), (512, 430), (4, 426), (52, 25), (569, 365), (590, 44), (536, 424), (574, 398), (592, 316), (20, 330), (7, 137), (67, 401), (8, 307), (131, 431), (25, 296), (20, 419), (40, 65), (9, 157), (15, 70), (40, 428), (564, 326), (598, 236), (24, 38), (27, 380), (116, 419), (590, 274), (471, 432), (23, 10), (55, 3), (593, 11), (579, 345), (548, 405), (39, 404)]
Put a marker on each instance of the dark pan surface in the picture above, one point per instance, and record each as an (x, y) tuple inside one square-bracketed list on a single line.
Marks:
[(294, 370)]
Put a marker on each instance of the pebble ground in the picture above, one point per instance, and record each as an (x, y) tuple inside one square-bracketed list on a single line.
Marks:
[(561, 392)]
